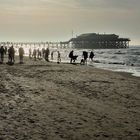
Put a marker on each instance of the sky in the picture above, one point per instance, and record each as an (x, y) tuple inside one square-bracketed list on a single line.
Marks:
[(60, 20)]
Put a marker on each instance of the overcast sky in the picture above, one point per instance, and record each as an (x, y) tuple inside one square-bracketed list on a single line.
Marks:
[(54, 20)]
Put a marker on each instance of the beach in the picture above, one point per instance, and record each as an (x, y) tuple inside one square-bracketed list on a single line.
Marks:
[(48, 101)]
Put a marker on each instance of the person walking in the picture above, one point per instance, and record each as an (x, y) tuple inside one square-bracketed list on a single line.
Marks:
[(91, 56), (30, 53), (11, 54), (47, 53), (52, 55), (5, 50), (21, 55), (59, 57), (2, 52), (71, 56), (85, 55), (34, 54)]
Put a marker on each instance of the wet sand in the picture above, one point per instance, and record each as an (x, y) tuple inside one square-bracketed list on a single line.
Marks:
[(48, 101)]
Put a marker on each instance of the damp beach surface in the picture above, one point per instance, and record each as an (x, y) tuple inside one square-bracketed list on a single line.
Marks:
[(48, 101)]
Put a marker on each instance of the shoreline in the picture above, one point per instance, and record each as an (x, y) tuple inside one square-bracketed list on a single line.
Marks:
[(27, 58), (129, 74), (134, 70), (78, 64)]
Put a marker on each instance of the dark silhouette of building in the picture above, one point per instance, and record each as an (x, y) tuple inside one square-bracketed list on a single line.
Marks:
[(99, 41)]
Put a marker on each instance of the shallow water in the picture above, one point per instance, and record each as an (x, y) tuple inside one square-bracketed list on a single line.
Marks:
[(125, 60)]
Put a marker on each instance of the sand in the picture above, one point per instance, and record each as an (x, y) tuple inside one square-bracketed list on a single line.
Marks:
[(48, 101)]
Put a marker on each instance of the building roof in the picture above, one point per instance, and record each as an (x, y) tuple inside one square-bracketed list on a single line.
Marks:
[(99, 37)]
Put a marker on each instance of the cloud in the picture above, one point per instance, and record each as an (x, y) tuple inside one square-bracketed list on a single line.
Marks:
[(85, 4), (36, 3), (111, 4)]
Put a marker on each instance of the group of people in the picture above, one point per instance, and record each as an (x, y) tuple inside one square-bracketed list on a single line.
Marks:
[(40, 54), (10, 53), (37, 53), (3, 53), (43, 54), (84, 55)]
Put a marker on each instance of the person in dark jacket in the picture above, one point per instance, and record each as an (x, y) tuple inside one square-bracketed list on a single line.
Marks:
[(91, 55), (11, 54), (47, 53), (2, 52), (85, 55), (71, 56)]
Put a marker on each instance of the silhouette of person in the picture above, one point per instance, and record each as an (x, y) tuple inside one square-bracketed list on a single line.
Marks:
[(11, 54), (52, 55), (43, 52), (38, 54), (2, 52), (34, 54), (47, 52), (21, 54), (30, 53), (59, 57), (85, 55), (91, 55), (71, 56)]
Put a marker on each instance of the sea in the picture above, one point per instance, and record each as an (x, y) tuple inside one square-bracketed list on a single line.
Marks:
[(121, 60)]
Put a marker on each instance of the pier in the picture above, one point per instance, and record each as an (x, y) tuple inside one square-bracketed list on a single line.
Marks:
[(85, 41), (37, 44)]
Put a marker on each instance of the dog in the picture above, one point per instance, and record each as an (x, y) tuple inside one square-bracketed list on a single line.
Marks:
[(82, 62)]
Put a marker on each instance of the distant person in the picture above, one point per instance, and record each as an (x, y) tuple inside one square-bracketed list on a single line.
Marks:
[(8, 54), (71, 56), (21, 55), (91, 56), (2, 52), (5, 50), (43, 53), (52, 55), (38, 54), (59, 57), (11, 55), (30, 53), (85, 55), (47, 53), (34, 54)]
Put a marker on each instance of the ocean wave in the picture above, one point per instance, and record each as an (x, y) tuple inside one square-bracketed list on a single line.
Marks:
[(120, 53), (117, 63)]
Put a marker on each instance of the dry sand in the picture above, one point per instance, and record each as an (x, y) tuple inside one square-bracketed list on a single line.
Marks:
[(49, 101)]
